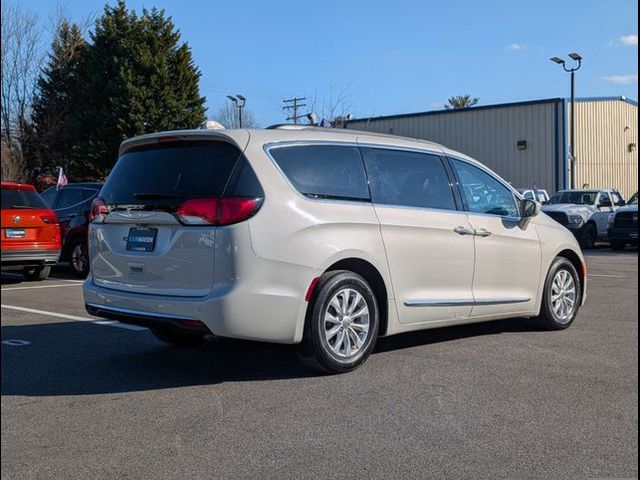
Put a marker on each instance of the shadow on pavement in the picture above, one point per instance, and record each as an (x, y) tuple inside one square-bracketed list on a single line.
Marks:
[(73, 358)]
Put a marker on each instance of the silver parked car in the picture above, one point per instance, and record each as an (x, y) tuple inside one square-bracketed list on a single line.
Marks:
[(319, 237)]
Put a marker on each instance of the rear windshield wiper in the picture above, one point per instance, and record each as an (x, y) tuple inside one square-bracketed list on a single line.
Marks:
[(155, 196)]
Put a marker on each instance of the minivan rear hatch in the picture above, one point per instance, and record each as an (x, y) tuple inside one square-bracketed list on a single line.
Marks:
[(139, 242)]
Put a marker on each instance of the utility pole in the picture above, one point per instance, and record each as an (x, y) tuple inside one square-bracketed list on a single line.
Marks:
[(293, 105)]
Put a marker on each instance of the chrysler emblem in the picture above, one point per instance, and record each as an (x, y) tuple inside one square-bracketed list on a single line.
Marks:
[(16, 219)]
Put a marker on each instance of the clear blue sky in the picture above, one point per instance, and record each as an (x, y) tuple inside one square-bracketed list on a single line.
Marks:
[(397, 56)]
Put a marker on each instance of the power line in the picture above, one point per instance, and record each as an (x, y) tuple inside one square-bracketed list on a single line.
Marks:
[(293, 105)]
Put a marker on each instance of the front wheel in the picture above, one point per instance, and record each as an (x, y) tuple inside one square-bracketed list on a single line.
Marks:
[(588, 236), (562, 296), (341, 327)]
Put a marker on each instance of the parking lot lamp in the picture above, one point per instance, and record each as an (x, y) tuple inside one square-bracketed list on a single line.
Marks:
[(238, 101), (578, 59)]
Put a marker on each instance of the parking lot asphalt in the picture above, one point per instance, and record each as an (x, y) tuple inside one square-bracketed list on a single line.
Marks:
[(495, 400)]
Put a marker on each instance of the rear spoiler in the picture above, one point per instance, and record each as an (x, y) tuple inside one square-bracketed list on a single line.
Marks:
[(239, 138)]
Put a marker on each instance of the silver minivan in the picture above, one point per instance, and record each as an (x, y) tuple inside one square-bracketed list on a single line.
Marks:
[(319, 237)]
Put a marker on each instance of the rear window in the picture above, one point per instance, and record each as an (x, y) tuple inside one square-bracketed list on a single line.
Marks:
[(324, 171), (17, 198), (169, 174)]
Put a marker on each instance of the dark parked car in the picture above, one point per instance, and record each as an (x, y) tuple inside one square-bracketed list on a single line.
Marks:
[(623, 225), (72, 205)]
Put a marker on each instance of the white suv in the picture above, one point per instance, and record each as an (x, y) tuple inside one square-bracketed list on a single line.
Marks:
[(319, 237)]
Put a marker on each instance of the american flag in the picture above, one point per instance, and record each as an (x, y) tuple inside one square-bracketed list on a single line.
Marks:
[(62, 179)]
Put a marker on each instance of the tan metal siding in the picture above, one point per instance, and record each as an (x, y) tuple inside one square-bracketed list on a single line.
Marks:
[(490, 136), (604, 131)]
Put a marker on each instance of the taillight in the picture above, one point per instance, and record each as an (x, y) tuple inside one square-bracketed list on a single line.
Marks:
[(50, 218), (218, 211), (98, 210)]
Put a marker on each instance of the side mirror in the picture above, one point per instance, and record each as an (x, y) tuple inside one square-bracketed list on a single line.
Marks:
[(530, 208), (621, 203)]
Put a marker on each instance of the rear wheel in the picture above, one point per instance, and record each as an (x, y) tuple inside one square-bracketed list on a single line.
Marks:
[(178, 338), (618, 244), (36, 274), (562, 296), (341, 327), (588, 236), (79, 259)]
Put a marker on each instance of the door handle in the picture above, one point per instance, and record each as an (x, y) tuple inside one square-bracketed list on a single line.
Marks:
[(463, 230), (482, 232)]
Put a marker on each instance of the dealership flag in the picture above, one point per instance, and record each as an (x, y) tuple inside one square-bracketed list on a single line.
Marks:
[(62, 179)]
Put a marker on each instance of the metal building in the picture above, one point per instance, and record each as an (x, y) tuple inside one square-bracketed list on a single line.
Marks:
[(527, 142)]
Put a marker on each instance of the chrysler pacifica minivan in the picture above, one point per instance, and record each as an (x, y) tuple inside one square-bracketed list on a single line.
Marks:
[(319, 237)]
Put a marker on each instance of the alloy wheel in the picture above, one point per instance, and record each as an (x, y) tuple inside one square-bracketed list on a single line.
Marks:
[(346, 323), (79, 258), (563, 296)]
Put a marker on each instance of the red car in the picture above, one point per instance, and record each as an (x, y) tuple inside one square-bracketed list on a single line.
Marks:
[(31, 239)]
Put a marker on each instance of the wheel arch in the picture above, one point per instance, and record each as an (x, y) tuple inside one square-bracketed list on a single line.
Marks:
[(71, 237), (578, 263), (372, 275)]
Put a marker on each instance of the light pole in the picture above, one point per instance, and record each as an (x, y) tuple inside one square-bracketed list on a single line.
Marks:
[(239, 102), (572, 147)]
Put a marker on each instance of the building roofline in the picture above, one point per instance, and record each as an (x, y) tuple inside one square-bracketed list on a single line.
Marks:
[(489, 107)]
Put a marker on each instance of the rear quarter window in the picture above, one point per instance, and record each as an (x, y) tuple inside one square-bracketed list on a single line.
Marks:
[(324, 171)]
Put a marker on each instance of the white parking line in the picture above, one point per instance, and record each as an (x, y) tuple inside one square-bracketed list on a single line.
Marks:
[(607, 276), (8, 289), (110, 323)]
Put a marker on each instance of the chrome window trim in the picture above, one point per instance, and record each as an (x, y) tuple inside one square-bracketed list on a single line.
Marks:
[(426, 209), (463, 302)]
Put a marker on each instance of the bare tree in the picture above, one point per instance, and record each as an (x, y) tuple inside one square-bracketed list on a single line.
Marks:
[(12, 164), (21, 61), (461, 101), (229, 117), (334, 106)]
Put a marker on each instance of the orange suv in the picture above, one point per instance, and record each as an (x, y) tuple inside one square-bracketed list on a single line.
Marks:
[(31, 239)]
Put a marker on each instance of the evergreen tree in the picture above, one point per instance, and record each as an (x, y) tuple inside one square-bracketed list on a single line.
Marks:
[(136, 78), (51, 136)]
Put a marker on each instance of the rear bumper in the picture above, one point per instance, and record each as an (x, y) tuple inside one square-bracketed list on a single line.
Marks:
[(147, 319), (29, 258)]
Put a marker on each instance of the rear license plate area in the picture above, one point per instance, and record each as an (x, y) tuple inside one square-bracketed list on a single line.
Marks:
[(141, 239), (14, 233)]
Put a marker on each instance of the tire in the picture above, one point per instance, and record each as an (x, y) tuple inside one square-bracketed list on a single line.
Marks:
[(36, 274), (562, 276), (330, 318), (178, 338), (588, 236), (79, 257), (618, 244)]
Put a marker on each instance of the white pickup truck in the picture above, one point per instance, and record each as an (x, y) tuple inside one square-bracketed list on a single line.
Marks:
[(584, 212)]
